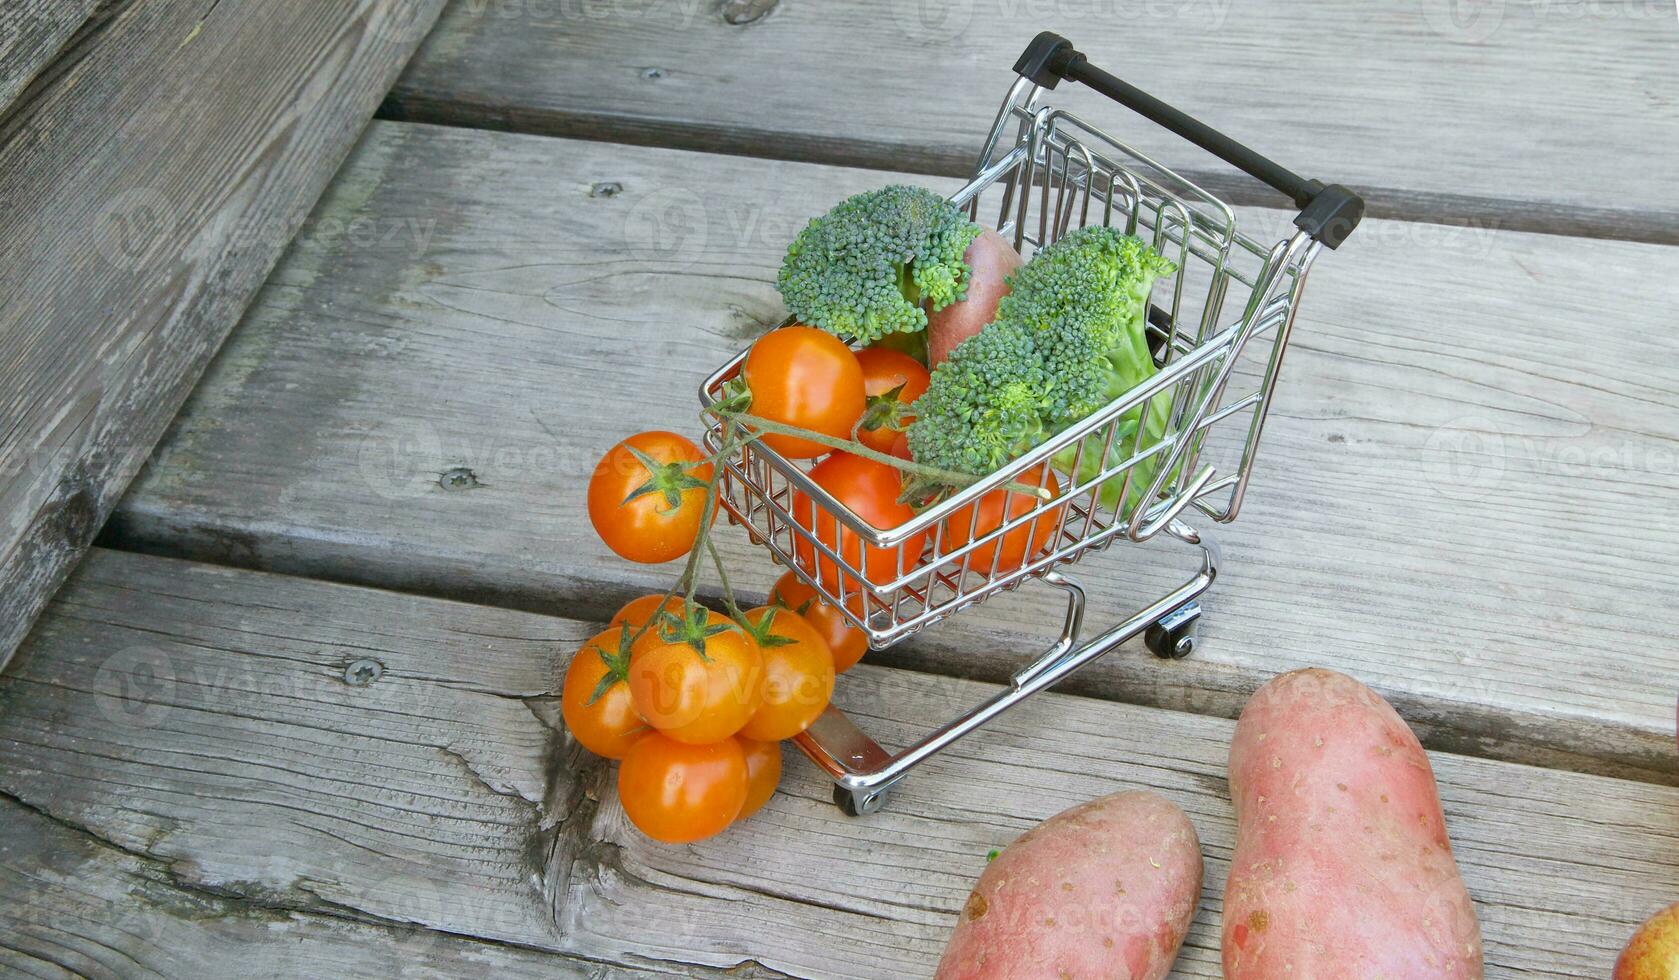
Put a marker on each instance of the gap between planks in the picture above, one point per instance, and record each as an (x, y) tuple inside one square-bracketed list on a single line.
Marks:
[(1468, 211), (1530, 117)]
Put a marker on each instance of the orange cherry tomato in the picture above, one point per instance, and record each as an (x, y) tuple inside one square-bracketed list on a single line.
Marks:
[(595, 699), (692, 696), (647, 495), (1013, 548), (679, 793), (891, 380), (638, 611), (845, 642), (805, 377), (798, 674), (763, 773), (870, 490), (679, 621)]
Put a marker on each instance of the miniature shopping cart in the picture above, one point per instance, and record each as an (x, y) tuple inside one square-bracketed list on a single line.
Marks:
[(1231, 302)]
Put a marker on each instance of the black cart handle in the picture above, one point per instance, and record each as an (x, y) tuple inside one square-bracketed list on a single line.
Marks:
[(1329, 213)]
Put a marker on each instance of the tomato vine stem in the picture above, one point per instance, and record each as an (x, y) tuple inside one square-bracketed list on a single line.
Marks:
[(688, 582)]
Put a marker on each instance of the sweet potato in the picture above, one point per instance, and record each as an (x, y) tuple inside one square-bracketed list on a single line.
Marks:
[(991, 258), (1105, 889), (1342, 867), (1653, 951)]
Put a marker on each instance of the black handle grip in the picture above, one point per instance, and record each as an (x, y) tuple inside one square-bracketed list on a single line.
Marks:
[(1328, 213)]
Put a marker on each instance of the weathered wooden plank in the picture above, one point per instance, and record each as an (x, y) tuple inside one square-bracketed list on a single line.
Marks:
[(33, 33), (1529, 115), (1465, 427), (73, 906), (144, 195), (197, 718)]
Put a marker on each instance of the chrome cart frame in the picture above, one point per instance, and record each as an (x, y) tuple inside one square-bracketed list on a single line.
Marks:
[(1042, 173)]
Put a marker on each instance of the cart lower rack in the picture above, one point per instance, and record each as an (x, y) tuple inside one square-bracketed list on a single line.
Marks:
[(1218, 328)]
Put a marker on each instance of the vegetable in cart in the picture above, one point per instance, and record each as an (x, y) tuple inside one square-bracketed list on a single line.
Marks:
[(1070, 337), (991, 259), (877, 262)]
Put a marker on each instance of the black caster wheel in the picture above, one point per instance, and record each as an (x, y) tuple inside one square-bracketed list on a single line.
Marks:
[(1173, 637), (857, 804)]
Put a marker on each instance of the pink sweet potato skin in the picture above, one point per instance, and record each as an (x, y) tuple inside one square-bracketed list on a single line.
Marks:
[(1106, 889), (1342, 867), (991, 258)]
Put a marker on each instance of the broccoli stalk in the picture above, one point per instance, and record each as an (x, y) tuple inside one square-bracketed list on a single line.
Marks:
[(1142, 474), (875, 264), (1070, 337)]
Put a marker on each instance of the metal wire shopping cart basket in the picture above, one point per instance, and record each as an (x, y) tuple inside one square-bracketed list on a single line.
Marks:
[(1231, 300)]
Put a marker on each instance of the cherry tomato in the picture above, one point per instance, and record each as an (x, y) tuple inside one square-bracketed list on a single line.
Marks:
[(694, 697), (870, 490), (798, 674), (647, 496), (900, 447), (679, 793), (763, 773), (595, 699), (638, 611), (891, 380), (679, 620), (988, 514), (845, 642), (805, 377)]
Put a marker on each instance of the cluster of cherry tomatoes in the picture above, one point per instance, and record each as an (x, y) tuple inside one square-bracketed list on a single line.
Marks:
[(694, 703)]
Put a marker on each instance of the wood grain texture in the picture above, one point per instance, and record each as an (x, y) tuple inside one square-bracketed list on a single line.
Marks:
[(74, 906), (1466, 427), (197, 719), (144, 195), (33, 33), (1515, 114)]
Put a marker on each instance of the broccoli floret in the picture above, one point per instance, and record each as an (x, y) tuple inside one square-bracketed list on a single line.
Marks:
[(1070, 337), (1086, 298), (877, 262), (986, 403)]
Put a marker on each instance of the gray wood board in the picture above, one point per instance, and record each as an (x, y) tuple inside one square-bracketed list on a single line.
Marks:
[(72, 905), (34, 33), (198, 719), (1524, 115), (1467, 428), (145, 193)]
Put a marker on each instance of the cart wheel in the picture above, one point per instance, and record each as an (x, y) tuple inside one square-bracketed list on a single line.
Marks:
[(1173, 637), (859, 804)]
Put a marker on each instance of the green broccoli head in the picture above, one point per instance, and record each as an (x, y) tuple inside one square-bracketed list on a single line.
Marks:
[(1086, 299), (877, 262), (985, 405), (1070, 337)]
